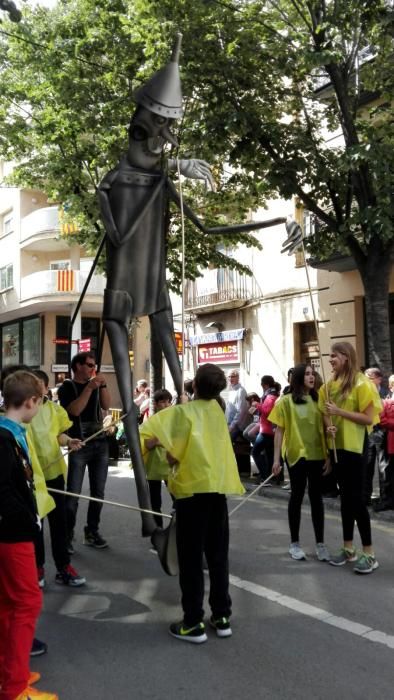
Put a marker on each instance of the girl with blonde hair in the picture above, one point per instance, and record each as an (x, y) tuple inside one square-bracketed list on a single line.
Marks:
[(350, 405)]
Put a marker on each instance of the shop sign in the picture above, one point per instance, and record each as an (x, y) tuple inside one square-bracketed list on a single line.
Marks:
[(179, 342), (59, 368), (85, 345), (218, 353)]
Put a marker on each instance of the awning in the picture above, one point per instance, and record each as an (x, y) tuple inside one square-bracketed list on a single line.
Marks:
[(223, 336)]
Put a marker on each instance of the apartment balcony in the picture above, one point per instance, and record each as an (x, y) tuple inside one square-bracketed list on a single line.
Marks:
[(337, 262), (62, 286), (40, 231), (220, 290)]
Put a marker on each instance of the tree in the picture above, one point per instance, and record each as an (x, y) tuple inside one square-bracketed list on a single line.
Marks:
[(250, 71), (67, 79), (262, 65)]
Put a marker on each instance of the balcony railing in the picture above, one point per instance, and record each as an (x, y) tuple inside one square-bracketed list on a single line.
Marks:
[(224, 287), (59, 283), (40, 222)]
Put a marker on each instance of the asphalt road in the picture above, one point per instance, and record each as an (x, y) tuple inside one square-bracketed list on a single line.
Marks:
[(300, 629)]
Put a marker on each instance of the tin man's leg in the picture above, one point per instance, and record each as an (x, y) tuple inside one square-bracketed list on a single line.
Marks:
[(163, 326), (116, 315)]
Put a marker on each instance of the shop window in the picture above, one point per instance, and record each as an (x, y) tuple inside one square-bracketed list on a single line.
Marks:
[(10, 345), (6, 277), (31, 334), (90, 329)]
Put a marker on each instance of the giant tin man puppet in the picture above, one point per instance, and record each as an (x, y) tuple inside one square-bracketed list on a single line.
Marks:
[(133, 201)]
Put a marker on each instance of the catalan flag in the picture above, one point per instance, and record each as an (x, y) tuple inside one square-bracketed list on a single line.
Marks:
[(65, 280)]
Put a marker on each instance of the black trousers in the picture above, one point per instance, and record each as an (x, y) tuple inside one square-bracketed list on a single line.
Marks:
[(202, 527), (155, 499), (301, 473), (350, 472), (57, 528)]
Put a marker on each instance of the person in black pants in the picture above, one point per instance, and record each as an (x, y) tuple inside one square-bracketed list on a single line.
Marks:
[(299, 421), (84, 397), (198, 441), (351, 405)]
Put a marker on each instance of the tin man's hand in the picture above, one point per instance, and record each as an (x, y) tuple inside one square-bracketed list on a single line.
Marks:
[(194, 169)]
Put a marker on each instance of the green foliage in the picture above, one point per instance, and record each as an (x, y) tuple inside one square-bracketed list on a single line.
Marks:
[(265, 82), (67, 79)]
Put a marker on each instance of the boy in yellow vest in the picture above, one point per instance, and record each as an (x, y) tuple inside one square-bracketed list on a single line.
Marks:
[(157, 467), (48, 433), (195, 434)]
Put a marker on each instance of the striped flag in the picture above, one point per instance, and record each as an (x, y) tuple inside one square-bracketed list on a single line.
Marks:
[(65, 280)]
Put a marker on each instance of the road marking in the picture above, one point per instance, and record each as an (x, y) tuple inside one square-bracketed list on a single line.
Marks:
[(316, 613)]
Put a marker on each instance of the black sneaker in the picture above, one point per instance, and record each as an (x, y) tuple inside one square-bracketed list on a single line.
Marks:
[(195, 634), (38, 648), (94, 539), (68, 576), (222, 626)]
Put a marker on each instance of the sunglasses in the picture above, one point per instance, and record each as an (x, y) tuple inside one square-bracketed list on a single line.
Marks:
[(90, 364)]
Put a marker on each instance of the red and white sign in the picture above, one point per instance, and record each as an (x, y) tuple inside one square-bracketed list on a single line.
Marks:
[(179, 342), (218, 353), (85, 345)]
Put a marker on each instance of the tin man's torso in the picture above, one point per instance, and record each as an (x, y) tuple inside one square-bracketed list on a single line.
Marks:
[(138, 266)]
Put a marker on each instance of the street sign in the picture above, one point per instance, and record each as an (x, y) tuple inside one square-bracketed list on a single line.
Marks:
[(85, 345)]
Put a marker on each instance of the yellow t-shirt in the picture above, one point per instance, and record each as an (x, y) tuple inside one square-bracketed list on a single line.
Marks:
[(350, 436), (45, 502), (196, 435), (50, 421), (156, 464), (303, 428)]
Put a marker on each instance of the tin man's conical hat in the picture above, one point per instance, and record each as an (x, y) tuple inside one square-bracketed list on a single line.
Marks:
[(162, 94)]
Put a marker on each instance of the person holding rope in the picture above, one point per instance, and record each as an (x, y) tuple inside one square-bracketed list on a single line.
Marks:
[(205, 472), (156, 463), (84, 397), (351, 409), (298, 422), (48, 430)]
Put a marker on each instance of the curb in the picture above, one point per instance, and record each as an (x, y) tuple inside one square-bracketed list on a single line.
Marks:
[(275, 492)]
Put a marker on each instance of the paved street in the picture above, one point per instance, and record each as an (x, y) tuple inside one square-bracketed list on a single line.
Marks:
[(300, 629)]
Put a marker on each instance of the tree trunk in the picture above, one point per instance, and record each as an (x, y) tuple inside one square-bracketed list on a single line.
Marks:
[(375, 274)]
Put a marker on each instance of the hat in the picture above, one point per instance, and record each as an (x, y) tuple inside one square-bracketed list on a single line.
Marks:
[(162, 94)]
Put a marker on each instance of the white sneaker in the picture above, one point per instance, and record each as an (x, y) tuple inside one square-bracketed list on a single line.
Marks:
[(296, 552), (322, 552)]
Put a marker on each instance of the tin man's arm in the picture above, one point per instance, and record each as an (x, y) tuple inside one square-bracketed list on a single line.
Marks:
[(194, 169), (234, 228)]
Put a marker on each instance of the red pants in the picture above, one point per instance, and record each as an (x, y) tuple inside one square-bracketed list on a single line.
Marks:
[(20, 606)]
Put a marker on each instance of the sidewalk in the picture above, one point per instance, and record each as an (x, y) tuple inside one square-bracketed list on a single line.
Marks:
[(277, 492)]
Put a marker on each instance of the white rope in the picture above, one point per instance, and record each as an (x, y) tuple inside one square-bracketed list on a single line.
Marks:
[(108, 503), (183, 274)]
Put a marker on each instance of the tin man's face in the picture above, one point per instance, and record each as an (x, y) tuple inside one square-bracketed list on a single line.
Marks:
[(148, 134)]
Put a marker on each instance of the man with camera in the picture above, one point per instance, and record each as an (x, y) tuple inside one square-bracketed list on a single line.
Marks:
[(85, 397)]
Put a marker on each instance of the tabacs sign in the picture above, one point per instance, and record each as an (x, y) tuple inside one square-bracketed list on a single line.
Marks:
[(218, 353)]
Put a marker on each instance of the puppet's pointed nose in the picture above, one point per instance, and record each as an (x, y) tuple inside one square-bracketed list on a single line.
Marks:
[(168, 136)]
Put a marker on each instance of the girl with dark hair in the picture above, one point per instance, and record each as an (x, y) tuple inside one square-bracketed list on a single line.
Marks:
[(352, 409), (298, 421), (263, 448)]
